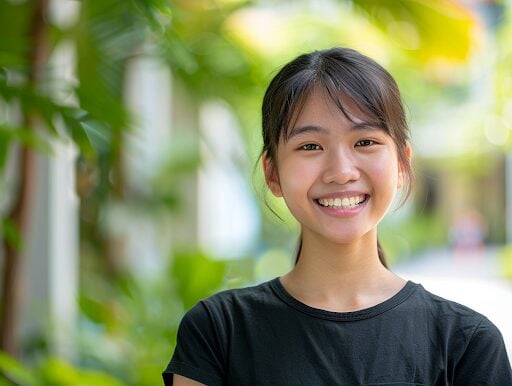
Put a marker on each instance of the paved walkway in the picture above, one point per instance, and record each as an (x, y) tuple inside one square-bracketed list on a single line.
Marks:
[(472, 279)]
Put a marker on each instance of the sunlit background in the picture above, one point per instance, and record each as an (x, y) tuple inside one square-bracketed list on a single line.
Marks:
[(129, 176)]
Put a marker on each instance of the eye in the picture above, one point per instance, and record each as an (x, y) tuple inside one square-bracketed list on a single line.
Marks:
[(365, 142), (310, 146)]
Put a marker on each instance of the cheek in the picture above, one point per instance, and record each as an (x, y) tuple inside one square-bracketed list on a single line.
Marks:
[(386, 169), (296, 177)]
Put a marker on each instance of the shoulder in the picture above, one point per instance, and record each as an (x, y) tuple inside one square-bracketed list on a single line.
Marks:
[(215, 318), (232, 302), (471, 343), (446, 310), (486, 333), (206, 332), (239, 297), (460, 325)]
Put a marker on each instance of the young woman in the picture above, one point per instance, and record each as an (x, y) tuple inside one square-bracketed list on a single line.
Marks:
[(336, 149)]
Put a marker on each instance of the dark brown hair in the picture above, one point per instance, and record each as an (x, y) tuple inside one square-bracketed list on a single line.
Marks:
[(344, 74)]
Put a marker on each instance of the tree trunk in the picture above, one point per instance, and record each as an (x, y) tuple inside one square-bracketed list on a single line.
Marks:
[(18, 216)]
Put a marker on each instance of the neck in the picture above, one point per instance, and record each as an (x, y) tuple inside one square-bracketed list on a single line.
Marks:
[(341, 276), (322, 257)]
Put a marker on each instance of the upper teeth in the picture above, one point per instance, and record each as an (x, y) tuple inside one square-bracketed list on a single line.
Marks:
[(345, 202)]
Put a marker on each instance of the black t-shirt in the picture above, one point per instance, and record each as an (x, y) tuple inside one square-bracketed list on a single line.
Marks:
[(263, 336)]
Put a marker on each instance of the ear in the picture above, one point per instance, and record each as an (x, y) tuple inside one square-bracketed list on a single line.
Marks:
[(401, 177), (271, 177)]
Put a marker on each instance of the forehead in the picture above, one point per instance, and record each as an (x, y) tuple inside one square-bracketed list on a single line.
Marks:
[(320, 106)]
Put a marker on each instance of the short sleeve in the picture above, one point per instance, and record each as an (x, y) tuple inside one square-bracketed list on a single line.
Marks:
[(198, 352), (485, 360)]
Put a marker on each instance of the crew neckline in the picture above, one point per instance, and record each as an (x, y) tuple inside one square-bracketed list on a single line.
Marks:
[(365, 313)]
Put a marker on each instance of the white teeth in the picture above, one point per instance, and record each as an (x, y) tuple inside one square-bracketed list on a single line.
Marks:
[(345, 202)]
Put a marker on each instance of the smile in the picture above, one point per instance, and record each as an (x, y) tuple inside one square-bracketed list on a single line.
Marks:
[(345, 202)]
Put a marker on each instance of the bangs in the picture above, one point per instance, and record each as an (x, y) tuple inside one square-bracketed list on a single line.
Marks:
[(294, 110), (346, 94), (352, 99)]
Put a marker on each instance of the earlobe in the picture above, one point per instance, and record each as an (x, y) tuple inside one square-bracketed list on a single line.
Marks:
[(401, 177), (400, 182), (271, 177)]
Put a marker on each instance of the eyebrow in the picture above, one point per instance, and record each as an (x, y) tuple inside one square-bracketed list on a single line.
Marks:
[(365, 126), (322, 130), (306, 129)]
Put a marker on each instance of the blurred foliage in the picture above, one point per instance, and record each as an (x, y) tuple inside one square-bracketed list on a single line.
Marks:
[(28, 98), (50, 371), (503, 75), (215, 49), (11, 233), (405, 237), (135, 321), (196, 276), (505, 258), (414, 25)]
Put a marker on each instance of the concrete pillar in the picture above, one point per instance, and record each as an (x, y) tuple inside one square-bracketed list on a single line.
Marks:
[(149, 96), (50, 306)]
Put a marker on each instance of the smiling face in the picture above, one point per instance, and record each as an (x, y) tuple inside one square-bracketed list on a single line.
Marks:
[(338, 176)]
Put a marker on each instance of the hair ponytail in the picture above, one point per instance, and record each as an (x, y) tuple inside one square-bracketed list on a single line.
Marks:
[(382, 255), (298, 250)]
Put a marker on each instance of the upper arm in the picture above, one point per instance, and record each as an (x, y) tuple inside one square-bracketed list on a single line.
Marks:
[(485, 360), (198, 354), (179, 380)]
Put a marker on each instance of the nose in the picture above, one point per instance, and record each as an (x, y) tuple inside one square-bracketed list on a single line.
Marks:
[(340, 168)]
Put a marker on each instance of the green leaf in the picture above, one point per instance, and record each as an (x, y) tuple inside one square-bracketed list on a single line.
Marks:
[(3, 76), (422, 27), (4, 149), (157, 12), (196, 276), (24, 136), (58, 372), (16, 372), (11, 233), (95, 310), (15, 18), (47, 111), (78, 133)]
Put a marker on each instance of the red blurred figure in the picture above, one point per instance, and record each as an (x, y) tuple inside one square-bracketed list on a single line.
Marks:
[(468, 232)]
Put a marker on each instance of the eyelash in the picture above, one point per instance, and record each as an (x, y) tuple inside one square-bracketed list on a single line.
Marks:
[(310, 147), (361, 143), (367, 142)]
